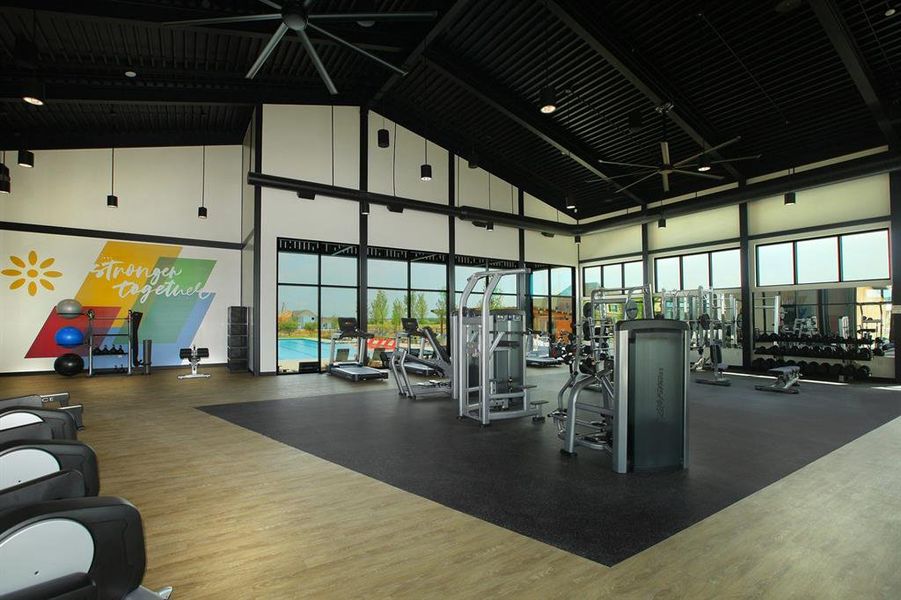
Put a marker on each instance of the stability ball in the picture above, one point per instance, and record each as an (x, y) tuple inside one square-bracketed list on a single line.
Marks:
[(68, 308), (68, 364), (68, 337)]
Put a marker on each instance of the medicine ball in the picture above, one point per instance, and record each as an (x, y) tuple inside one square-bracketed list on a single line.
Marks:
[(68, 364)]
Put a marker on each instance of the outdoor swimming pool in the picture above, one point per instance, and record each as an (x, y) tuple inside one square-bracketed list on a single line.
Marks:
[(305, 349)]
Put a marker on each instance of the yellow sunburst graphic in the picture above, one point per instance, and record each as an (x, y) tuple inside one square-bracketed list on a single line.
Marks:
[(31, 272)]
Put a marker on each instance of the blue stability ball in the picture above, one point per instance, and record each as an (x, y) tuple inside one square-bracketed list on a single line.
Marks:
[(68, 364), (68, 308), (67, 337)]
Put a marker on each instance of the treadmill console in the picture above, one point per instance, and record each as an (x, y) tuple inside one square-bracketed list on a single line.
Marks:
[(347, 325), (410, 325)]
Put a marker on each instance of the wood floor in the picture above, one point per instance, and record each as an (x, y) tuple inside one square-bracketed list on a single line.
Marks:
[(231, 514)]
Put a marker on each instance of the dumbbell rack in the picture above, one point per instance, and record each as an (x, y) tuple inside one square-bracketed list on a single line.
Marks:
[(127, 335), (841, 354)]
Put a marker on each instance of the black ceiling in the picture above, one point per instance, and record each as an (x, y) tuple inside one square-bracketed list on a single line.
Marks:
[(798, 82)]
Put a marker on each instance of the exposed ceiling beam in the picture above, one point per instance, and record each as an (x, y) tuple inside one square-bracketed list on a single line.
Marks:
[(832, 21), (469, 78), (167, 92), (643, 77), (443, 23), (453, 141), (73, 139)]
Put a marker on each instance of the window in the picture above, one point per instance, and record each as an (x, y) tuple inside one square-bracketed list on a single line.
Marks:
[(865, 256), (551, 297), (831, 259), (696, 271), (317, 283), (725, 268), (776, 264), (615, 276), (668, 275), (817, 260)]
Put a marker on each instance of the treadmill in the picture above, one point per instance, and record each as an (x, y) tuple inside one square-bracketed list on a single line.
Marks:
[(348, 328), (411, 330)]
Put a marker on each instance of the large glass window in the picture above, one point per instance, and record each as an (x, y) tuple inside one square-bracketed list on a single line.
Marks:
[(865, 256), (725, 269), (633, 274), (831, 259), (817, 260), (591, 279), (317, 283), (613, 276), (667, 274), (776, 264), (696, 271)]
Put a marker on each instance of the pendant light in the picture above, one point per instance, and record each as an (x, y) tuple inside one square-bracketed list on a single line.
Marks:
[(570, 202), (704, 163), (112, 201), (789, 199), (490, 225), (661, 223), (636, 121), (384, 138), (5, 182), (548, 95), (425, 169), (201, 210), (26, 159), (473, 162), (578, 239), (364, 207), (33, 90)]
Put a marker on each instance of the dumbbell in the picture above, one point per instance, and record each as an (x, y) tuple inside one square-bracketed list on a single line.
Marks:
[(835, 370), (849, 371), (865, 354), (760, 350), (775, 350), (780, 363), (791, 363), (878, 352), (823, 370), (770, 364), (803, 366), (863, 372), (757, 364), (813, 368), (765, 337)]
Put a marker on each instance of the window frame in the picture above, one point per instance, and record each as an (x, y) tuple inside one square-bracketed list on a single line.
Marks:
[(709, 254)]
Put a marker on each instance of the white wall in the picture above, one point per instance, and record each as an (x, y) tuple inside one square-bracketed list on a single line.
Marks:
[(159, 190), (503, 242), (411, 230), (395, 170), (557, 250), (298, 143), (707, 226), (831, 204), (614, 242)]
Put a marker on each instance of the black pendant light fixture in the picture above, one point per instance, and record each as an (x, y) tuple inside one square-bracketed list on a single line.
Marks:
[(570, 202), (364, 207), (33, 90), (26, 159), (112, 201), (704, 163), (425, 169), (5, 182), (489, 226), (636, 121), (473, 162), (789, 199), (201, 210), (578, 239), (661, 223), (384, 138)]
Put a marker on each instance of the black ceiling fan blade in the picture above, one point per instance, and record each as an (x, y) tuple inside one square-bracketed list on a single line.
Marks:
[(698, 174), (707, 151), (625, 164), (271, 4), (728, 160), (623, 176), (218, 20), (378, 17), (267, 50), (636, 182), (665, 176), (317, 62), (365, 53)]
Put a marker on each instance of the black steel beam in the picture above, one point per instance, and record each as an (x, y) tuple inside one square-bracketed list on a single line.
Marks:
[(895, 203), (862, 167), (652, 84), (454, 141), (71, 139), (836, 28), (443, 23), (178, 92), (747, 335), (466, 213), (478, 84)]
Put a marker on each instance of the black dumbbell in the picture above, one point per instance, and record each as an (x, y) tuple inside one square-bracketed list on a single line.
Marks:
[(849, 371), (770, 364), (863, 372), (835, 370), (757, 364)]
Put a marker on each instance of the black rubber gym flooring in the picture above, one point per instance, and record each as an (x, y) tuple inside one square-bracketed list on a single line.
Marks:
[(513, 475)]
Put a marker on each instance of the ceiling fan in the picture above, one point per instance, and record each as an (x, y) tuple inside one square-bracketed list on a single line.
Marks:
[(296, 15), (667, 167)]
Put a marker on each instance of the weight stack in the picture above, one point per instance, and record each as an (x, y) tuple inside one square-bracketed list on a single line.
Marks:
[(237, 347)]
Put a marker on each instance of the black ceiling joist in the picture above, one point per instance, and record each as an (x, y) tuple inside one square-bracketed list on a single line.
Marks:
[(77, 139), (452, 14), (526, 116), (832, 21), (528, 182), (642, 76)]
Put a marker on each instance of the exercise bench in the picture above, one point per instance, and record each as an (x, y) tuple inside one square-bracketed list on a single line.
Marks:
[(787, 380)]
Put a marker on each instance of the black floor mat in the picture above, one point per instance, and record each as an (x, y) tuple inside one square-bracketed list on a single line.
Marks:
[(513, 475)]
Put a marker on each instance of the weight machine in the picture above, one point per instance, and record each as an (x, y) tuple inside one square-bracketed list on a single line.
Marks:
[(403, 362), (488, 357)]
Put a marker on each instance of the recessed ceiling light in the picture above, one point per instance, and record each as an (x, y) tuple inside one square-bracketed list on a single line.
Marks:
[(890, 12), (130, 74)]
